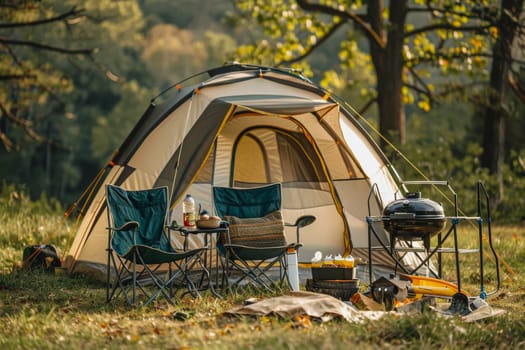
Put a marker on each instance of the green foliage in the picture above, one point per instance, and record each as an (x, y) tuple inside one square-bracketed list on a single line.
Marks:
[(171, 53), (197, 16), (436, 161), (14, 199), (27, 222), (443, 40), (109, 132), (46, 112), (511, 206), (287, 31), (81, 103), (354, 77), (437, 150)]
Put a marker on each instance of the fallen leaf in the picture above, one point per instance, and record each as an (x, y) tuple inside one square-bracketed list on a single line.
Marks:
[(227, 329), (159, 331), (302, 322)]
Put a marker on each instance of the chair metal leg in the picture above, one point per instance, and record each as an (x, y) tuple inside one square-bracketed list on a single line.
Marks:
[(118, 283), (134, 282), (257, 273), (150, 283), (108, 272)]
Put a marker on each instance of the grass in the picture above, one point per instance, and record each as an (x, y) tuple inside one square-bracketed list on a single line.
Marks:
[(46, 311)]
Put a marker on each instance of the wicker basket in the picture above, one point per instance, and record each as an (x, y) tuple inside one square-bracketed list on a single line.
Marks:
[(209, 223)]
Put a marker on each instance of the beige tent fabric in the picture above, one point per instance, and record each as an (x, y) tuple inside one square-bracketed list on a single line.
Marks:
[(249, 108), (302, 303)]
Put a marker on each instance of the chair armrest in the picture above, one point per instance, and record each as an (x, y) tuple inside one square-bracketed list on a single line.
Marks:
[(175, 227), (297, 245), (128, 226), (301, 222)]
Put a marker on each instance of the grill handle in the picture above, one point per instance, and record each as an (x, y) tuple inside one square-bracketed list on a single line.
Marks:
[(402, 216)]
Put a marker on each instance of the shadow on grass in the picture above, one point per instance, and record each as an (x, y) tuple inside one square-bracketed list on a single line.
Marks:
[(44, 291)]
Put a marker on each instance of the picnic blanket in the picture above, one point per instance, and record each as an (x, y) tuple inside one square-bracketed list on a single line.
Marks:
[(326, 307), (321, 306)]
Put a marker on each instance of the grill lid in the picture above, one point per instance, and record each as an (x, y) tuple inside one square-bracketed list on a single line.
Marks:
[(413, 205), (413, 216)]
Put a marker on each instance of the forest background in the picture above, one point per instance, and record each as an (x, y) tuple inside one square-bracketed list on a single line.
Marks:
[(76, 75)]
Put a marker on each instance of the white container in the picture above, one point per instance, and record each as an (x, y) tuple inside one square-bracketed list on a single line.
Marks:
[(317, 260), (188, 211), (293, 269)]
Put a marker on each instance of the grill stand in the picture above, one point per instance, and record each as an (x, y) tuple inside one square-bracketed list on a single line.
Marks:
[(393, 249)]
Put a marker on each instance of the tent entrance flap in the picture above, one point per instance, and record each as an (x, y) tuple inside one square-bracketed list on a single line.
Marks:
[(266, 155), (185, 164)]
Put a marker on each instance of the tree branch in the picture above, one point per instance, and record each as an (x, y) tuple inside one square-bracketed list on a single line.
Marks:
[(13, 55), (419, 80), (71, 13), (6, 141), (446, 12), (10, 6), (29, 130), (459, 88), (367, 105), (433, 57), (311, 48), (47, 47), (19, 121), (451, 89), (17, 76), (445, 26), (346, 15), (418, 90)]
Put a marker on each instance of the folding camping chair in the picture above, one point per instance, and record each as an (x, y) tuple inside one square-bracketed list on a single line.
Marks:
[(255, 241), (138, 246)]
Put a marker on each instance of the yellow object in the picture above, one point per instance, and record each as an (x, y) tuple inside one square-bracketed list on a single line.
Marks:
[(421, 285), (349, 262), (328, 261), (339, 261)]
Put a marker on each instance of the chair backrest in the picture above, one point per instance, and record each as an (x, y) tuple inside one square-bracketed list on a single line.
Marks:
[(147, 207), (247, 202)]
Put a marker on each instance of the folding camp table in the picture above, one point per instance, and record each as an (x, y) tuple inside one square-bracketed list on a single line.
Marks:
[(209, 254)]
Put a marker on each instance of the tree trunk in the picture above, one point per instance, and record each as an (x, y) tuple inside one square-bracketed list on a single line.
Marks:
[(495, 115), (388, 64)]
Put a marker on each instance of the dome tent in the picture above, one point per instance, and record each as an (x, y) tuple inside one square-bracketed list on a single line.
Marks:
[(245, 126)]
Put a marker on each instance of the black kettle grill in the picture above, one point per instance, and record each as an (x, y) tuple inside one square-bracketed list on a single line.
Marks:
[(413, 218)]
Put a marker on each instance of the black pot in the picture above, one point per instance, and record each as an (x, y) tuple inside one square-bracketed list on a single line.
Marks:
[(413, 217)]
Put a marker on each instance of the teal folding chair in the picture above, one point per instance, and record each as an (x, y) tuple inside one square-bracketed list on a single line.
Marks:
[(138, 246), (255, 242)]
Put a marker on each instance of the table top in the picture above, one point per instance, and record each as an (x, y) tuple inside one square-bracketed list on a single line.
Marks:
[(196, 230)]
